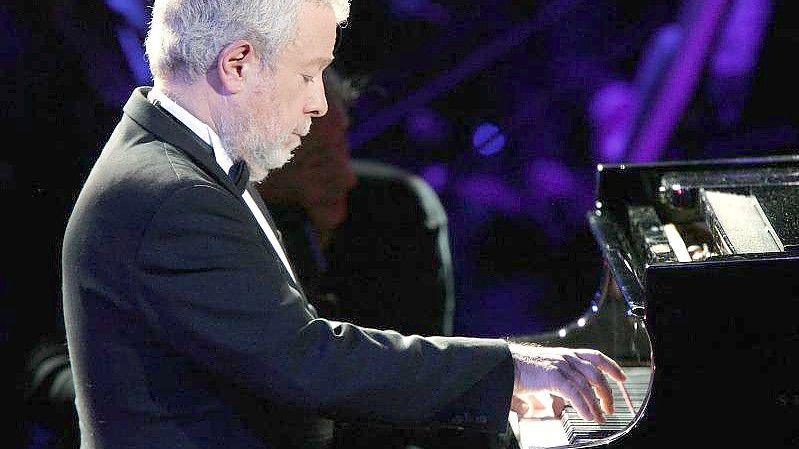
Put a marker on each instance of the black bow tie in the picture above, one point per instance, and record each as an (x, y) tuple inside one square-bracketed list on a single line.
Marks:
[(240, 175)]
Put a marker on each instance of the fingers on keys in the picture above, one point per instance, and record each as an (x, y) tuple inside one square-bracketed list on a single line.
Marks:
[(578, 391), (595, 378), (603, 362), (584, 370)]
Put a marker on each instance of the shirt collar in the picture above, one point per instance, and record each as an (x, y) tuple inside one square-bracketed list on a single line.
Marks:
[(202, 130)]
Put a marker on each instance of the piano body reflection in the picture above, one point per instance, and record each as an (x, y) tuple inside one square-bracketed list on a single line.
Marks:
[(698, 303)]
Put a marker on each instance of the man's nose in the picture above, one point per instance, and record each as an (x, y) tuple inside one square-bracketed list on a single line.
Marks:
[(317, 105)]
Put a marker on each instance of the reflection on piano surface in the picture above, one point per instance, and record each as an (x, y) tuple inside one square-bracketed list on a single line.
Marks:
[(698, 304)]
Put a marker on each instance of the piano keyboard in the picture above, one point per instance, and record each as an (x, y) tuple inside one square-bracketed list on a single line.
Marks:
[(534, 433)]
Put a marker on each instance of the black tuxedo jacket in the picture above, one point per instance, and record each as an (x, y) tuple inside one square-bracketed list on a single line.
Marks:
[(185, 330)]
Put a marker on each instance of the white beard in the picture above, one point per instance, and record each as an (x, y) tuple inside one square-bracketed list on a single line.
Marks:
[(258, 145)]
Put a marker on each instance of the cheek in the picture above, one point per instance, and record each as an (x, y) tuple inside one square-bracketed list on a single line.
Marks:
[(291, 114), (281, 108)]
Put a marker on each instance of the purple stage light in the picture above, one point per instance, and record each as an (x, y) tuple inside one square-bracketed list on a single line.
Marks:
[(741, 38), (437, 175), (680, 81), (735, 58), (426, 126), (611, 111), (489, 192), (487, 139), (550, 178)]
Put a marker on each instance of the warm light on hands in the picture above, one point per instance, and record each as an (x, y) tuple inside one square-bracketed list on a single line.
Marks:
[(546, 377)]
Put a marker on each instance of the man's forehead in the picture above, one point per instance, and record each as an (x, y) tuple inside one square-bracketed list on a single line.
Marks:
[(316, 36), (306, 57)]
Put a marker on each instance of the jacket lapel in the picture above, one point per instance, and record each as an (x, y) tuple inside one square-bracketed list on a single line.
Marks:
[(165, 127), (264, 210)]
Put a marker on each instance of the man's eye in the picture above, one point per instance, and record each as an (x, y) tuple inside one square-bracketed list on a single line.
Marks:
[(307, 78)]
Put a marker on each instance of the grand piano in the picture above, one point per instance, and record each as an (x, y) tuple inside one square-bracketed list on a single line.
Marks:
[(699, 302)]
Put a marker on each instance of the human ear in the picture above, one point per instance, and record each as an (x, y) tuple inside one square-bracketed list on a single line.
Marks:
[(234, 62)]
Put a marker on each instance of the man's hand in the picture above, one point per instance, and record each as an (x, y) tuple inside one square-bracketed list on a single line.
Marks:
[(573, 375)]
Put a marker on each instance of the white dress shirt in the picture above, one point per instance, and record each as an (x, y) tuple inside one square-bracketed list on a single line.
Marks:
[(210, 137)]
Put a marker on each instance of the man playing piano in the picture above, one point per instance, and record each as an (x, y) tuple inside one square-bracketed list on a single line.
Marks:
[(187, 327)]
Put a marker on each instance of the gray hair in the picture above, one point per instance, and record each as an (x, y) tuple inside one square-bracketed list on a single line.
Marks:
[(186, 36)]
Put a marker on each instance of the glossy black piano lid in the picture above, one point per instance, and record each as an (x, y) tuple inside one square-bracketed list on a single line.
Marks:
[(724, 331)]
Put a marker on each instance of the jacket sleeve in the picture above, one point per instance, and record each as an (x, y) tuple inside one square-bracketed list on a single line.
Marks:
[(213, 289)]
